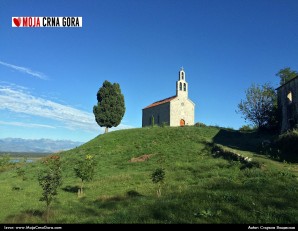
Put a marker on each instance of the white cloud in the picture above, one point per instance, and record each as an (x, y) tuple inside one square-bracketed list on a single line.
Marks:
[(25, 70), (28, 125), (18, 100)]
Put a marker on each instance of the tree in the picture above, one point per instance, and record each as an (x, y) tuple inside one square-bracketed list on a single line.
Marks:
[(286, 74), (110, 107), (50, 179), (157, 177), (85, 170), (260, 106)]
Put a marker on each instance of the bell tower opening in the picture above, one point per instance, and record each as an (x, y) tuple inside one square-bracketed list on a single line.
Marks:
[(182, 85)]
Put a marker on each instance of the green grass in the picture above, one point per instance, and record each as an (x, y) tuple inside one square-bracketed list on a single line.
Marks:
[(198, 188)]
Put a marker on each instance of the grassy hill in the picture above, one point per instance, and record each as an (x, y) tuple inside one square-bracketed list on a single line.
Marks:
[(199, 187)]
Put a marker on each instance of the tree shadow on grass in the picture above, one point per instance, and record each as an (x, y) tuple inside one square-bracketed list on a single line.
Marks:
[(110, 202), (245, 141), (71, 189), (253, 142), (28, 216), (133, 193), (100, 210)]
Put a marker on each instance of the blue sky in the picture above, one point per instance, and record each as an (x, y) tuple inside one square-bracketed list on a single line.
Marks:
[(49, 77)]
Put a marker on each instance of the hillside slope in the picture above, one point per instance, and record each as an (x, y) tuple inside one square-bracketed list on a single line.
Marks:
[(199, 188)]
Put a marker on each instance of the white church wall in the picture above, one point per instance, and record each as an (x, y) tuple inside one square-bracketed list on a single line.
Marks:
[(181, 108)]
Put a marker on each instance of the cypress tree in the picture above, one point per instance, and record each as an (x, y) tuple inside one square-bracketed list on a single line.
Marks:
[(110, 107)]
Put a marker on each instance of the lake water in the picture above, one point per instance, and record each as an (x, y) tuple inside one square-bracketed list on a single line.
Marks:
[(20, 160)]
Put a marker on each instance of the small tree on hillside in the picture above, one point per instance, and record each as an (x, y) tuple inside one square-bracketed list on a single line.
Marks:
[(260, 106), (157, 177), (50, 179), (286, 74), (152, 121), (110, 107), (85, 170)]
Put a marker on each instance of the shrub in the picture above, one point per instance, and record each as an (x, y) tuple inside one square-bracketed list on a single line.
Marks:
[(246, 128), (157, 177), (199, 124), (5, 163), (164, 124), (152, 121), (21, 173), (4, 160), (20, 169), (287, 143)]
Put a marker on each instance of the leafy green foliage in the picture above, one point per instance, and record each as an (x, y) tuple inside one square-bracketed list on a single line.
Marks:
[(287, 143), (110, 107), (286, 74), (85, 170), (260, 106), (4, 161), (157, 177), (246, 128), (199, 124), (20, 168), (152, 121), (50, 179), (21, 173)]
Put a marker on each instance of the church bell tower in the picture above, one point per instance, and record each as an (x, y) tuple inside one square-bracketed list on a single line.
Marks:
[(182, 85)]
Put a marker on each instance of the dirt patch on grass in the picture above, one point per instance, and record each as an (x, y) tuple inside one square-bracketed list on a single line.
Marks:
[(142, 158)]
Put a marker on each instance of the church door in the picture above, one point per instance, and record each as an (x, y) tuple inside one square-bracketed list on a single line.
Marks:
[(182, 123)]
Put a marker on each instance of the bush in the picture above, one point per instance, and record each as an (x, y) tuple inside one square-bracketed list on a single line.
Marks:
[(287, 143), (199, 124), (21, 173), (157, 177), (5, 163), (4, 160), (164, 124), (246, 128)]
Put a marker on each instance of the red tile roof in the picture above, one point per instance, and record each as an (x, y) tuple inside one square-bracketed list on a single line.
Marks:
[(161, 102)]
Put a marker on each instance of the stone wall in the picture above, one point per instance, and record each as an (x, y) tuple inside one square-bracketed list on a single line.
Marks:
[(160, 112), (288, 104)]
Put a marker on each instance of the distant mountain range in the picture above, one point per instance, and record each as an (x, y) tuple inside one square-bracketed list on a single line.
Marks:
[(39, 145)]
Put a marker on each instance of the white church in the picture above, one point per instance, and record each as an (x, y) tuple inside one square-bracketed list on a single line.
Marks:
[(174, 111)]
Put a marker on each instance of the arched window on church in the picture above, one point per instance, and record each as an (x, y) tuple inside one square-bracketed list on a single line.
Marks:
[(180, 86), (184, 86), (182, 75)]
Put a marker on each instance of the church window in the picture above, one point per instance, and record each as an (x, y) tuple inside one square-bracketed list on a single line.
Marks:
[(182, 75), (180, 86), (184, 86), (290, 97)]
